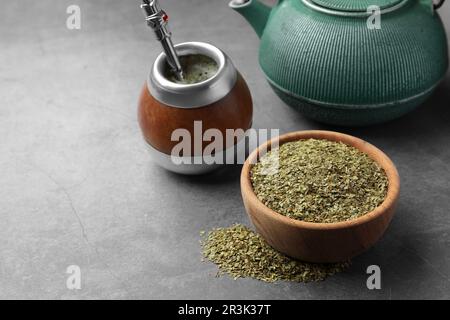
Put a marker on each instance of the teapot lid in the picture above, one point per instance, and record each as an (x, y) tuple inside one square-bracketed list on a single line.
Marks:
[(355, 5)]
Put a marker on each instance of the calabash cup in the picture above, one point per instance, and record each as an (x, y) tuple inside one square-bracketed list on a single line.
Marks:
[(220, 103), (321, 242)]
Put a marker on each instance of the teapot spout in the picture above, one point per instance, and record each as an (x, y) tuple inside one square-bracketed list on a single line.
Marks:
[(254, 12)]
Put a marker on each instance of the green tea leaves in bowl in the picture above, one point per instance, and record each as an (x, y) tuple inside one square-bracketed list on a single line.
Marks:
[(319, 181)]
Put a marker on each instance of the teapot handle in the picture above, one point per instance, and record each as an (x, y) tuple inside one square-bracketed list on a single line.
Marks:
[(438, 4)]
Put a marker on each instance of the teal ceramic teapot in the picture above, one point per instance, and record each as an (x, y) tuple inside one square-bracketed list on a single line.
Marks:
[(350, 62)]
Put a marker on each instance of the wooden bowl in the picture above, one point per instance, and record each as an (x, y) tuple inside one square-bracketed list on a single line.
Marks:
[(321, 242)]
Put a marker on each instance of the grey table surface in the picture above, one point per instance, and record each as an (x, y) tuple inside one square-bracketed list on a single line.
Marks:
[(77, 186)]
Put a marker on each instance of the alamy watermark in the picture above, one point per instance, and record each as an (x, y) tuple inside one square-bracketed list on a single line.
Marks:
[(374, 20), (213, 146), (73, 281), (374, 280), (73, 21)]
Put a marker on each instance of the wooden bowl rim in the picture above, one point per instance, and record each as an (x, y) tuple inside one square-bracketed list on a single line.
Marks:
[(376, 154)]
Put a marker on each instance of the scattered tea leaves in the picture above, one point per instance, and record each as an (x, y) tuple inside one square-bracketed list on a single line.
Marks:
[(319, 181), (240, 253)]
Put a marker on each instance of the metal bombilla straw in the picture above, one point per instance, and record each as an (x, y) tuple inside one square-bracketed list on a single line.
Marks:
[(157, 19)]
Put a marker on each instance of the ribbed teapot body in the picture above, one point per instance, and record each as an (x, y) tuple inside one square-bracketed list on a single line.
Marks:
[(341, 62)]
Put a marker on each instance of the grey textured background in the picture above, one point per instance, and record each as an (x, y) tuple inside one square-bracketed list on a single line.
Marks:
[(77, 185)]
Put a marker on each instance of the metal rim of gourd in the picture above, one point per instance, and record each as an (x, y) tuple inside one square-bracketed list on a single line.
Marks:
[(198, 94)]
